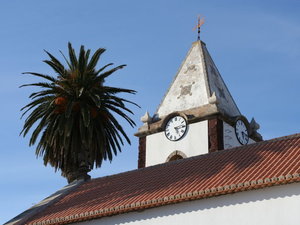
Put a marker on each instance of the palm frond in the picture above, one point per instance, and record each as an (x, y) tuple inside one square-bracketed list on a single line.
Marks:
[(72, 56), (47, 77), (95, 58), (109, 72)]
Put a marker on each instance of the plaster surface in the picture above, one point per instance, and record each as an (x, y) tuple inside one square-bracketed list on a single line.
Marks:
[(188, 89), (195, 142), (195, 82)]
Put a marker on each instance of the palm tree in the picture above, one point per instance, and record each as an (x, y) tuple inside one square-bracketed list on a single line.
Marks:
[(73, 114)]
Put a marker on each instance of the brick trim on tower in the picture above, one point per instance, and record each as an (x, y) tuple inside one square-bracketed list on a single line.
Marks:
[(215, 135), (142, 152)]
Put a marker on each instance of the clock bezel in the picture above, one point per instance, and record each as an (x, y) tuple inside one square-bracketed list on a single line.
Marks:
[(170, 118), (245, 122)]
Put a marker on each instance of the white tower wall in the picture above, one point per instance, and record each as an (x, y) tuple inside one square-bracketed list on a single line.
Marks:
[(195, 142)]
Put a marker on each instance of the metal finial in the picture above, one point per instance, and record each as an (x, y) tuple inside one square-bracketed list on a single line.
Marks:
[(199, 24)]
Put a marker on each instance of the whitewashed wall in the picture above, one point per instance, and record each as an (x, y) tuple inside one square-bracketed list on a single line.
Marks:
[(270, 206), (195, 142), (229, 137)]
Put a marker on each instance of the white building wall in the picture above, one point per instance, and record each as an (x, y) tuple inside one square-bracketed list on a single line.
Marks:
[(270, 206), (195, 142), (229, 137)]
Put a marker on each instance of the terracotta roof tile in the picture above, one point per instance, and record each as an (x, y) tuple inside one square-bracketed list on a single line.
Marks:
[(244, 168)]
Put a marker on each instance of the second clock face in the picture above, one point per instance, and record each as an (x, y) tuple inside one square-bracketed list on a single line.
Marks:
[(241, 132), (175, 128)]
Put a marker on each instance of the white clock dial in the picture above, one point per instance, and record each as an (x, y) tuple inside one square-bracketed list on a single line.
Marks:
[(175, 128), (241, 132)]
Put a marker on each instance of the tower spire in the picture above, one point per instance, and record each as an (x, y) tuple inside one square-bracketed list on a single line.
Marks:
[(199, 24)]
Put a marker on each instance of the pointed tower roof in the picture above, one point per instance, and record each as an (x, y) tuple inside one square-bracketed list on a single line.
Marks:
[(196, 84)]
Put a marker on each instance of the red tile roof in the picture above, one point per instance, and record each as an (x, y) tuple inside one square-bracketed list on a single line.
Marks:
[(249, 167)]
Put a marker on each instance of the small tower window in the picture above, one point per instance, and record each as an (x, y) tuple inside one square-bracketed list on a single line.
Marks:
[(176, 155)]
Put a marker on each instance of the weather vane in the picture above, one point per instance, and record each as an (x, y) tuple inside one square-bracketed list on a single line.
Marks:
[(199, 24)]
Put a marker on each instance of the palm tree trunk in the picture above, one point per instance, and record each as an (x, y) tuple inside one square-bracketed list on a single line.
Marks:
[(79, 174)]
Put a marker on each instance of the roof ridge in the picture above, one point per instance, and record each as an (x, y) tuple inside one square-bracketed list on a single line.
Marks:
[(287, 137), (291, 136)]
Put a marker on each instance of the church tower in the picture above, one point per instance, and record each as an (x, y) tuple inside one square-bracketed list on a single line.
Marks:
[(196, 116)]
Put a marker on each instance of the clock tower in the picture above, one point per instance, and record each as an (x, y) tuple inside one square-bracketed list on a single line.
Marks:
[(196, 116)]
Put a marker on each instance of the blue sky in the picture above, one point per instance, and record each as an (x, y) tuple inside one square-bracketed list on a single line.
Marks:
[(255, 45)]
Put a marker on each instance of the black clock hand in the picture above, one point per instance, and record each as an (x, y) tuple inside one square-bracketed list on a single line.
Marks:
[(180, 126)]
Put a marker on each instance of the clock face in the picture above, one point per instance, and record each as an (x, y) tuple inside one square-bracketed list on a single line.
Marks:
[(241, 132), (175, 128)]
